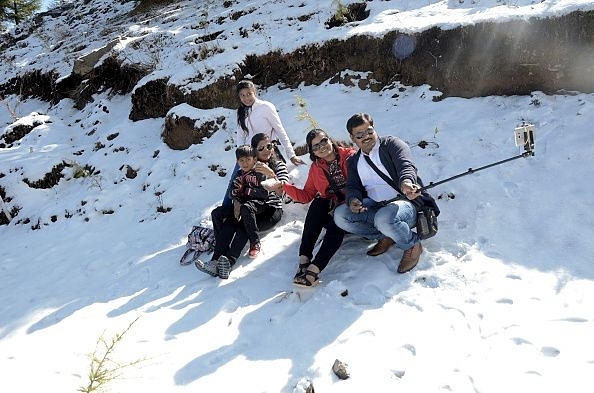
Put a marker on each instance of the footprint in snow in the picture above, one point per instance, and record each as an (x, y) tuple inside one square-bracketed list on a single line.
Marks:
[(428, 281), (521, 341), (287, 304), (511, 189), (550, 351), (402, 356), (239, 300), (575, 319), (370, 295)]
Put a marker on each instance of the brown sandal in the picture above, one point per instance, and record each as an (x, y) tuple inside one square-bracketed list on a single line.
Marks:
[(303, 265), (308, 278)]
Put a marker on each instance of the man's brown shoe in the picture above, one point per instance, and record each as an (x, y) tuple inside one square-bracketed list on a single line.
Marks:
[(380, 247), (410, 258)]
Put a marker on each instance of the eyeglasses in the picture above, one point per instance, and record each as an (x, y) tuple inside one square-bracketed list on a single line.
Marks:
[(363, 134), (323, 142), (268, 146)]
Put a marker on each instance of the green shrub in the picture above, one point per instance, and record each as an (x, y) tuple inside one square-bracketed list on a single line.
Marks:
[(103, 368)]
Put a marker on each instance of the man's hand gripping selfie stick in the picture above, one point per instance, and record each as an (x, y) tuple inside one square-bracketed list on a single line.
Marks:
[(524, 137)]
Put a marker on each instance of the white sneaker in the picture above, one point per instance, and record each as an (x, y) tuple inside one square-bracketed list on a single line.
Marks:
[(223, 267), (209, 267)]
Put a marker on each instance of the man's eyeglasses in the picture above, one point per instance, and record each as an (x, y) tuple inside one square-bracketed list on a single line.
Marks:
[(268, 146), (323, 142), (363, 134)]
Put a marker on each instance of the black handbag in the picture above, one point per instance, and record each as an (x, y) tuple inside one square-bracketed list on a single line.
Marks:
[(427, 209)]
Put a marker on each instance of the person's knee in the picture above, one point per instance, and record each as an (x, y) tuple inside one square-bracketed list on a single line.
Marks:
[(340, 216), (268, 219), (246, 208), (386, 215), (380, 221), (216, 211)]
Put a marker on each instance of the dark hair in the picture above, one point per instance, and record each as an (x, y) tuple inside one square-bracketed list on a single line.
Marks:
[(242, 109), (358, 119), (311, 135), (245, 151), (259, 137)]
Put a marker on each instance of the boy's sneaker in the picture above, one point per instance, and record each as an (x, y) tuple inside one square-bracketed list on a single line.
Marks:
[(224, 267), (209, 267), (254, 250)]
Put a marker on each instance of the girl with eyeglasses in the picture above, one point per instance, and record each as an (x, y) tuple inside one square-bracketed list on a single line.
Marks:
[(324, 188), (231, 233)]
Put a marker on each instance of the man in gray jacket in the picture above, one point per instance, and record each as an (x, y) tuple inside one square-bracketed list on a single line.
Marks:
[(364, 213)]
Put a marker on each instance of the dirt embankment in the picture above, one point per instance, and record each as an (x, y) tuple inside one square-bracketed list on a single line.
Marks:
[(516, 57)]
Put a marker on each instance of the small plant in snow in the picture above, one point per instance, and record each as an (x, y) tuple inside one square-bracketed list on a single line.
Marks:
[(11, 110), (341, 11), (103, 368), (87, 171), (96, 182), (304, 113), (80, 171), (161, 208), (148, 51)]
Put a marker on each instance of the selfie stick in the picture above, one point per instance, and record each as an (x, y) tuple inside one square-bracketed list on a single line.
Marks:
[(524, 136)]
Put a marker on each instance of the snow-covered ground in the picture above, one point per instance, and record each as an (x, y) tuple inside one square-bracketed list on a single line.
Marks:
[(502, 299)]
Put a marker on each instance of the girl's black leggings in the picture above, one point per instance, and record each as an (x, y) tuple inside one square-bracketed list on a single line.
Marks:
[(318, 217)]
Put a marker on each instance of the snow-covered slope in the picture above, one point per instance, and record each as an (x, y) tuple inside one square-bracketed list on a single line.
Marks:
[(501, 300)]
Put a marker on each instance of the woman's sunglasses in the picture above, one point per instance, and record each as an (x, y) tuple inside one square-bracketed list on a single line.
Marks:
[(323, 142), (268, 146), (363, 134)]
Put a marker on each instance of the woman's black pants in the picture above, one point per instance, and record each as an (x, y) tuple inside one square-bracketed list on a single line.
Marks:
[(318, 217)]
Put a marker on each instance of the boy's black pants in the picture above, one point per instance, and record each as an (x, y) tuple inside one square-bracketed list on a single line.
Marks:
[(231, 235)]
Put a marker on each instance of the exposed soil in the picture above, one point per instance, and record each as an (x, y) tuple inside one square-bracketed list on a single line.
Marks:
[(110, 75), (179, 133), (14, 211), (516, 57), (16, 132), (350, 13), (50, 179)]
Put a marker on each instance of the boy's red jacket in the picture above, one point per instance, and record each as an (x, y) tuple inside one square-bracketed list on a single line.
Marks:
[(317, 182)]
